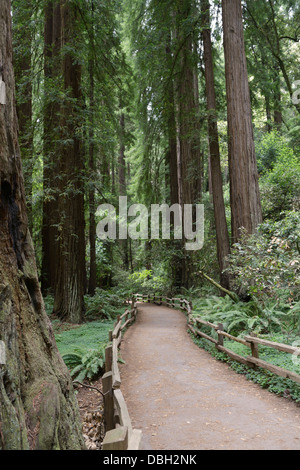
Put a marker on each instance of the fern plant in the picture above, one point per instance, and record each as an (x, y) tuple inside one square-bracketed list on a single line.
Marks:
[(85, 365), (239, 317)]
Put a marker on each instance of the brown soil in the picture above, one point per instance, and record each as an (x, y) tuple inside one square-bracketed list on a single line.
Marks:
[(90, 404), (183, 399)]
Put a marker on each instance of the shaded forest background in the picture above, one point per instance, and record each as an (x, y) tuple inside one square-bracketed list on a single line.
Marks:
[(111, 95), (163, 102)]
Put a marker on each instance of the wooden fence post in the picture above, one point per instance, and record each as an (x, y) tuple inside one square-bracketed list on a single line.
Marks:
[(108, 401), (220, 337), (116, 439), (254, 347), (108, 358)]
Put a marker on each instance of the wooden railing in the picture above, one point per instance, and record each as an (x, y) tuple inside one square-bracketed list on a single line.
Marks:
[(119, 432), (251, 341)]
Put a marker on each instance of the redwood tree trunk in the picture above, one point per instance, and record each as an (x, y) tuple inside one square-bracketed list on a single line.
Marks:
[(70, 279), (223, 244), (244, 190), (38, 408), (52, 46), (22, 67), (92, 205)]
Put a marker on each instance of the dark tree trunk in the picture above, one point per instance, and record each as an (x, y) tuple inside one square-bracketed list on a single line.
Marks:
[(38, 407), (188, 124), (22, 68), (122, 184), (52, 47), (92, 208), (223, 244), (70, 279), (244, 190)]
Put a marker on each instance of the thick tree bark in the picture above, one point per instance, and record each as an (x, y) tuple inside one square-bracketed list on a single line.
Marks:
[(244, 190), (223, 244), (70, 279), (38, 408)]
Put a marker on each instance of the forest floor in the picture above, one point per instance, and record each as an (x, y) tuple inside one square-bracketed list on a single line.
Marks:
[(90, 404), (184, 399)]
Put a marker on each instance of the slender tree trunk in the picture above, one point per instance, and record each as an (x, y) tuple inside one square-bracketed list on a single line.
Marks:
[(268, 113), (70, 279), (278, 120), (122, 184), (92, 208), (38, 407), (244, 190), (52, 47), (223, 244)]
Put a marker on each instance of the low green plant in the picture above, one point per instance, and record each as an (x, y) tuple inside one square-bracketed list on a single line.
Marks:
[(83, 347), (105, 304), (85, 365)]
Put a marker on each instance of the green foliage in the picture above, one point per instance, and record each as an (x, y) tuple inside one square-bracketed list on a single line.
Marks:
[(266, 264), (104, 304), (85, 365), (146, 281), (83, 347), (238, 317), (279, 166), (272, 148)]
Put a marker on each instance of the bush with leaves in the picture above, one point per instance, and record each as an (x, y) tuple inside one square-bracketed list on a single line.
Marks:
[(266, 265), (279, 169), (105, 304)]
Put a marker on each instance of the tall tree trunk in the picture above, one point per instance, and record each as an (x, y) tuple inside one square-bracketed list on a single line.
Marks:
[(122, 184), (52, 47), (22, 66), (70, 279), (278, 119), (244, 190), (223, 244), (38, 408), (92, 208), (189, 157)]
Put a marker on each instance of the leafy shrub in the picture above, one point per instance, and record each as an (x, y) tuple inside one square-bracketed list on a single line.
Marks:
[(279, 168), (273, 147), (104, 304), (266, 265)]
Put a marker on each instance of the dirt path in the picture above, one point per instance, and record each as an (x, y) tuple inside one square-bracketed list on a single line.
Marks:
[(183, 399)]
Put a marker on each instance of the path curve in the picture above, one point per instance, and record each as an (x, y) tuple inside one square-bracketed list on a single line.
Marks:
[(183, 399)]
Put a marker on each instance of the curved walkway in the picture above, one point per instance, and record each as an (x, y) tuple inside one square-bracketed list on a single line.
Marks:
[(183, 399)]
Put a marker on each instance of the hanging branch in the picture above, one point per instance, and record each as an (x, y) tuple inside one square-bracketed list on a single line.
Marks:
[(232, 295)]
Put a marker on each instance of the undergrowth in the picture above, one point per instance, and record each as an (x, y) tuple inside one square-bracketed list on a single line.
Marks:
[(82, 347)]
